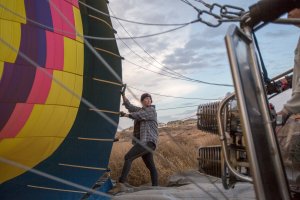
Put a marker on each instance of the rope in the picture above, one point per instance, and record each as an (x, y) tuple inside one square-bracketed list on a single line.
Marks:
[(174, 77), (64, 138), (118, 84), (140, 46), (51, 177), (82, 99), (131, 21), (88, 44), (70, 91), (208, 178), (55, 189), (178, 107), (164, 67), (105, 111), (96, 139), (40, 173), (109, 52), (204, 3), (61, 84), (82, 167), (136, 37), (91, 37), (109, 82), (177, 77), (177, 97), (101, 20), (264, 69), (189, 117), (190, 4), (45, 174)]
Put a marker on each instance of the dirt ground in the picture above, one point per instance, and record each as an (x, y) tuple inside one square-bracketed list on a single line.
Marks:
[(177, 152)]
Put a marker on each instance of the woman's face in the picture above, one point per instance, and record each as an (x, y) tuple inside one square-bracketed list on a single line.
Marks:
[(146, 102)]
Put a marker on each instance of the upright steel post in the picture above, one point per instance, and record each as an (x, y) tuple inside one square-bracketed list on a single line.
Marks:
[(266, 165)]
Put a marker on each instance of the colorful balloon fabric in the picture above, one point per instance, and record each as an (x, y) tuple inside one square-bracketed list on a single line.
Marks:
[(43, 125)]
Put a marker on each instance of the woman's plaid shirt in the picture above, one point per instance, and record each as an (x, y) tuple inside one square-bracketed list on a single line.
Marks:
[(145, 122)]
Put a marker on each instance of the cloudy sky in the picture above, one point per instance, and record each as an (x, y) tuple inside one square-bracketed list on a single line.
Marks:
[(196, 51)]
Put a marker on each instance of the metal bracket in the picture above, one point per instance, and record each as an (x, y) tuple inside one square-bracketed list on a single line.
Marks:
[(224, 141)]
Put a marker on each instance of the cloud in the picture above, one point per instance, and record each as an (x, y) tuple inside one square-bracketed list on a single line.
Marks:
[(279, 33), (189, 112), (178, 116), (213, 33), (157, 12), (196, 51)]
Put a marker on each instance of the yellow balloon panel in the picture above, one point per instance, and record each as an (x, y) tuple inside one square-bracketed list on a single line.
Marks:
[(49, 120), (58, 95), (10, 33), (69, 121), (74, 55), (1, 69), (55, 89), (44, 131), (12, 7), (78, 90), (37, 121), (60, 122), (70, 54), (50, 112), (28, 151), (78, 24), (80, 58), (65, 97)]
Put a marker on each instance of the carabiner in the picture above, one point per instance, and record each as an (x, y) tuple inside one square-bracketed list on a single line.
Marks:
[(217, 17)]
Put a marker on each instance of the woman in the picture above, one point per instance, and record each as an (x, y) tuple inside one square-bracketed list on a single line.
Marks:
[(145, 133)]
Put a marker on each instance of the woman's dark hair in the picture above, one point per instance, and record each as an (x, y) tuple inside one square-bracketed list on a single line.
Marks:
[(145, 95)]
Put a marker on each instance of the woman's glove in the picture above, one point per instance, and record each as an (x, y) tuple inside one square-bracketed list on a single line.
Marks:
[(122, 114), (122, 91)]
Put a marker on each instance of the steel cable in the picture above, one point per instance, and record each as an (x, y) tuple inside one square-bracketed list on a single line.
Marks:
[(65, 87), (131, 21)]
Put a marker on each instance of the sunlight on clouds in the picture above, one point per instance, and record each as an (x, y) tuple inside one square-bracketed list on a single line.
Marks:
[(196, 51)]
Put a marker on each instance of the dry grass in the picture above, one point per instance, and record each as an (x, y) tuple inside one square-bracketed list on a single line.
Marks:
[(175, 157)]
